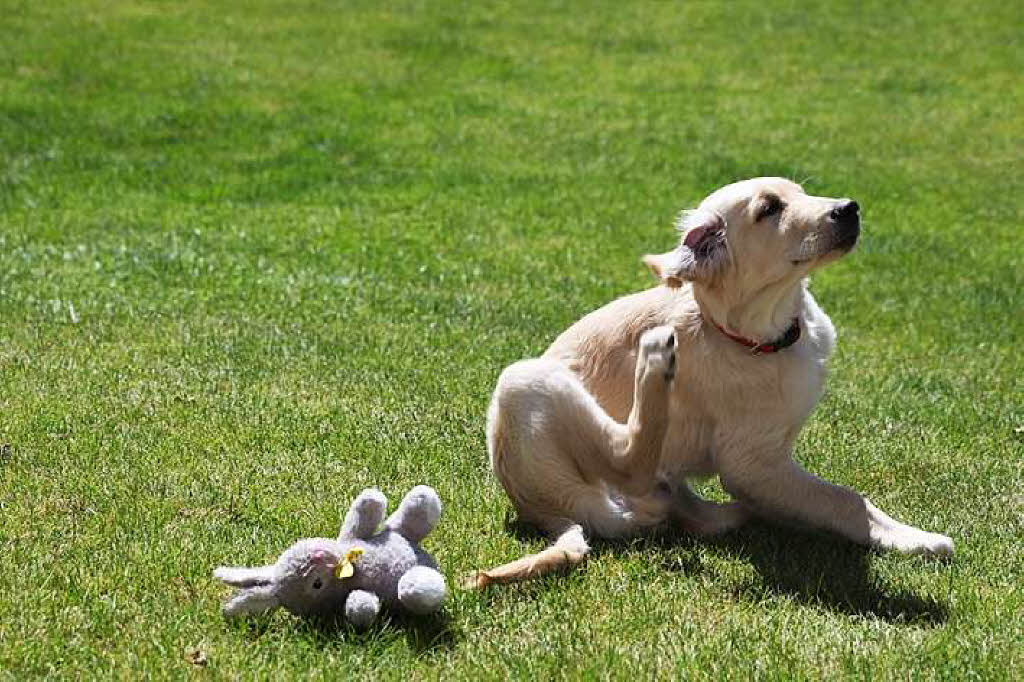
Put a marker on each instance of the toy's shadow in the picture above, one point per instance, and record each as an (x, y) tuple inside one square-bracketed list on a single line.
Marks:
[(425, 634), (814, 568)]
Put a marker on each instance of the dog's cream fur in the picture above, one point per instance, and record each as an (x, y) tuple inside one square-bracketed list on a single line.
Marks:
[(597, 436)]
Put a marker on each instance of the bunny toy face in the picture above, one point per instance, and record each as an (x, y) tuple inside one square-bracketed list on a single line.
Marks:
[(306, 577), (302, 581)]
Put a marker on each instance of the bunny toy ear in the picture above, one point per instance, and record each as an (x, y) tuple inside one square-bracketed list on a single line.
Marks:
[(252, 600), (365, 515), (241, 576), (257, 593)]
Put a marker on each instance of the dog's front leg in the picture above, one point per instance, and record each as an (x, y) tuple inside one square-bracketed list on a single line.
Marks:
[(780, 487), (636, 445)]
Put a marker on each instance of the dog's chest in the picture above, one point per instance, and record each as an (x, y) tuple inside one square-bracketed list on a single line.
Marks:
[(762, 406)]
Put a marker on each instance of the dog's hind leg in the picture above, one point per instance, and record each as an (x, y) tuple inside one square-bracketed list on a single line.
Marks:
[(696, 515), (636, 446), (567, 465), (556, 451)]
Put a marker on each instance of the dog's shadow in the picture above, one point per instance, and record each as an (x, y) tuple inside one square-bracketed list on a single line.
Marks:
[(813, 568)]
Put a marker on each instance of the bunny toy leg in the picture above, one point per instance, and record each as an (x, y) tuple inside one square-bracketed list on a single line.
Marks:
[(361, 608), (364, 515), (417, 514), (421, 590)]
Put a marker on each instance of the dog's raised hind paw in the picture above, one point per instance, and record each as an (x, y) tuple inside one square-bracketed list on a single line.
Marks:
[(658, 352)]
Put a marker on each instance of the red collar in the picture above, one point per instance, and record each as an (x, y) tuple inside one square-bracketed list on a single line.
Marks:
[(791, 336)]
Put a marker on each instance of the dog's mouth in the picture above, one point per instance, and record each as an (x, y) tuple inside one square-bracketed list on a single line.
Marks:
[(827, 245), (848, 237), (836, 236)]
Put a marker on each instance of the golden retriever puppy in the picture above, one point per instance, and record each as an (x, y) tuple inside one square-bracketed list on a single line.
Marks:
[(713, 372)]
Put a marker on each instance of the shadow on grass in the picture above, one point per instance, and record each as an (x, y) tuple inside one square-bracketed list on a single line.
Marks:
[(425, 635), (814, 568)]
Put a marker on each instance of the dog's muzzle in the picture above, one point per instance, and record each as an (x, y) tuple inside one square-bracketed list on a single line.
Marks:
[(846, 217)]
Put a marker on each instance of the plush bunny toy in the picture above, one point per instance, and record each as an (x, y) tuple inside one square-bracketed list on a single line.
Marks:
[(358, 572)]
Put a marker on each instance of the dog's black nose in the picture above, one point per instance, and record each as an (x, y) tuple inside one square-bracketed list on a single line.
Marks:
[(847, 221), (844, 210)]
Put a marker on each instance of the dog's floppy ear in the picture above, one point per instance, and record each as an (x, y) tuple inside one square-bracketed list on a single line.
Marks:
[(701, 254), (660, 264)]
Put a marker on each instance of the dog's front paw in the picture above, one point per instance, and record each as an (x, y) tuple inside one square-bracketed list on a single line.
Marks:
[(658, 352), (909, 540), (935, 544)]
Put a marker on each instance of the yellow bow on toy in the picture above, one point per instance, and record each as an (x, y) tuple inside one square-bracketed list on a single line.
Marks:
[(347, 566)]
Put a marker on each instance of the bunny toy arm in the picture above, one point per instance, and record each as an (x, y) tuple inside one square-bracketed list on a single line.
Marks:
[(361, 608), (421, 590)]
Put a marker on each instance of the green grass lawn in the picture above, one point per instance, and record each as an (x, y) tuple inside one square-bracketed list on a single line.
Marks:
[(255, 259)]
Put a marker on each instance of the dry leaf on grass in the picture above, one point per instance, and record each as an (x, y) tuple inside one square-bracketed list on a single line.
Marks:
[(196, 656)]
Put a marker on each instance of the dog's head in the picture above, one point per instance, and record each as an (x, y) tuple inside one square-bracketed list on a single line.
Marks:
[(757, 232)]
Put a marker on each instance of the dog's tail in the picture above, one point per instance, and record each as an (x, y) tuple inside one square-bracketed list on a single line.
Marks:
[(570, 548), (609, 516)]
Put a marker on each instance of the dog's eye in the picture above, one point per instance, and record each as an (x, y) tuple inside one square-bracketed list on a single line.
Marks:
[(317, 584), (770, 206)]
